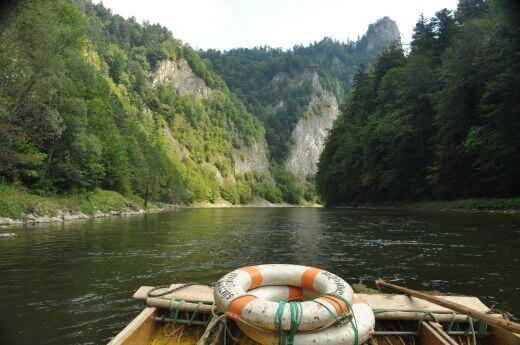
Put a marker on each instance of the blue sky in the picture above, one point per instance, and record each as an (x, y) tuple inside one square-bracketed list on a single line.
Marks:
[(226, 24)]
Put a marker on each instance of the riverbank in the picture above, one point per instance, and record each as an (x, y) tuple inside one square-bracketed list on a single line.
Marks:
[(18, 206), (488, 205), (257, 202)]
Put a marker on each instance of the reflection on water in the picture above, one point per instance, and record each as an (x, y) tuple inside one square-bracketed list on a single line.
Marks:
[(72, 283)]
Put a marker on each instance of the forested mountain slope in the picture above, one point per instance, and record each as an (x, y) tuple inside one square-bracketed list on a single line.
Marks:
[(91, 100), (441, 122), (296, 93)]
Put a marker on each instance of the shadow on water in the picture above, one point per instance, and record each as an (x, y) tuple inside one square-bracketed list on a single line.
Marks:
[(72, 283)]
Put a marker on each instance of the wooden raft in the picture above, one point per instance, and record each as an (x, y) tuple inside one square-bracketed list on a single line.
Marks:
[(385, 306)]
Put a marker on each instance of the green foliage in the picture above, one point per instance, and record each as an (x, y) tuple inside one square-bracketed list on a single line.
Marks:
[(78, 111), (441, 122), (15, 202), (498, 204), (290, 187), (276, 85)]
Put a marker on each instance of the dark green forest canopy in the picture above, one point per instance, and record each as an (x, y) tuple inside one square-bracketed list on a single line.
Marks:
[(441, 122)]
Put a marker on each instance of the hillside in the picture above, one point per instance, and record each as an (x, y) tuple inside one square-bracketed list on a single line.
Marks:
[(91, 100), (441, 122), (296, 93)]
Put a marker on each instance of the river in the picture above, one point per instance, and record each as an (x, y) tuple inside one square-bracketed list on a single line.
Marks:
[(71, 283)]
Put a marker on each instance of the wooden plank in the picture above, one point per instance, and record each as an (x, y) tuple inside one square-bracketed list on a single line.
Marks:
[(204, 293), (407, 303), (386, 306), (459, 308), (499, 336), (163, 303), (416, 316), (139, 331), (438, 328), (403, 307), (192, 293), (142, 292), (432, 335)]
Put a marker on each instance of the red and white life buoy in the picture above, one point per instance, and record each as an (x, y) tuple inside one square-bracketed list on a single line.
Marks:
[(334, 335), (252, 295)]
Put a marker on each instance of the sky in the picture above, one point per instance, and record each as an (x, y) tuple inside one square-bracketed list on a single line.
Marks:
[(226, 24)]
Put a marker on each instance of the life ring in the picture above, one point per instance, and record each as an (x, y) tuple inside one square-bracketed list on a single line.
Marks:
[(233, 297), (334, 335)]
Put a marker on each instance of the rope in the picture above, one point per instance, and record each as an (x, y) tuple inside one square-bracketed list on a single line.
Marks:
[(225, 330), (168, 291), (482, 329), (452, 321), (350, 317), (195, 312), (425, 315), (222, 318), (295, 309), (334, 316), (177, 310), (471, 330)]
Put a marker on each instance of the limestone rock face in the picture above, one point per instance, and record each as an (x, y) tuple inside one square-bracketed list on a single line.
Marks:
[(308, 136), (310, 133), (251, 158), (182, 77), (180, 74), (379, 36)]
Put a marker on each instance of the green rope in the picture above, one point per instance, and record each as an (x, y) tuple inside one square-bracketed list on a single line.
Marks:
[(345, 316), (195, 312), (471, 330), (170, 306), (452, 321), (334, 316), (175, 314), (425, 315), (482, 329), (295, 309)]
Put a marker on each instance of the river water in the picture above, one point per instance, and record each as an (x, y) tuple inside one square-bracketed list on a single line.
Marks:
[(71, 283)]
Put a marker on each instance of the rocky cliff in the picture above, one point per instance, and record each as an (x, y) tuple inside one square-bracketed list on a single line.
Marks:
[(246, 158), (310, 133), (296, 93), (251, 158), (378, 36), (179, 73)]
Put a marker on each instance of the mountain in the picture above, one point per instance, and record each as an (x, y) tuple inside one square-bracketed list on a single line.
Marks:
[(296, 93), (90, 100), (440, 122)]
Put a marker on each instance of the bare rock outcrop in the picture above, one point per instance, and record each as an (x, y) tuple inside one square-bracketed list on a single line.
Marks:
[(251, 158), (310, 133), (180, 74)]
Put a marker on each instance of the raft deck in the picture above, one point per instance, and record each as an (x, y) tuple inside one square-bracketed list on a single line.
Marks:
[(397, 319)]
